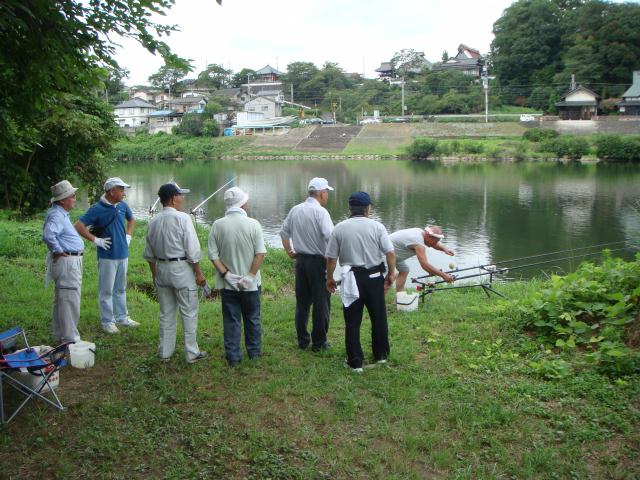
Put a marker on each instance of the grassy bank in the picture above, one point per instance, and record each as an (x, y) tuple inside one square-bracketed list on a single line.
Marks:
[(459, 398)]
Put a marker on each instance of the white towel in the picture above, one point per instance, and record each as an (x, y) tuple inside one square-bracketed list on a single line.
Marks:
[(348, 287)]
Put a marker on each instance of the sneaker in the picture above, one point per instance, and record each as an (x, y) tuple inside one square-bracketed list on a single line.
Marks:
[(382, 361), (233, 363), (354, 370), (110, 328), (198, 357), (165, 359), (322, 348), (128, 322)]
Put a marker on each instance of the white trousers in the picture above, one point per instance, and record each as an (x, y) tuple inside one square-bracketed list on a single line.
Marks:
[(177, 290), (67, 274), (112, 290)]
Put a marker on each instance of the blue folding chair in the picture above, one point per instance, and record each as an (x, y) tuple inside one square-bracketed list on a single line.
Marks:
[(28, 360)]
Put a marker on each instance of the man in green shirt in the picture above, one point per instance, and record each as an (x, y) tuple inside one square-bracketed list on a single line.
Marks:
[(236, 248)]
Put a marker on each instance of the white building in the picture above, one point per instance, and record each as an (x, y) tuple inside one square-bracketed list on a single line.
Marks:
[(269, 106), (133, 113)]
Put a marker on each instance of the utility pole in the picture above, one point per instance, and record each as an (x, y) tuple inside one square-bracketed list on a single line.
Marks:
[(485, 85), (248, 86), (402, 86), (292, 93)]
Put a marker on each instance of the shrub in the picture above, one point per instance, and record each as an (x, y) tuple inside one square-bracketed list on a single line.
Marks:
[(443, 148), (569, 147), (618, 148), (590, 309), (539, 134), (521, 152), (472, 147), (422, 148), (495, 153)]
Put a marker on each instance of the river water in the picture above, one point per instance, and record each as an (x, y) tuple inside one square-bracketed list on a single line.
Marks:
[(489, 212)]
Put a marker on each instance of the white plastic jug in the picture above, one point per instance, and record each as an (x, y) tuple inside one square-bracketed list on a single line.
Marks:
[(82, 354), (406, 302)]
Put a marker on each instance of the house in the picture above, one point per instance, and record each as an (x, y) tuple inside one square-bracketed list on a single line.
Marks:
[(133, 113), (467, 61), (386, 70), (233, 96), (630, 104), (185, 104), (269, 106), (268, 74), (579, 103), (163, 121)]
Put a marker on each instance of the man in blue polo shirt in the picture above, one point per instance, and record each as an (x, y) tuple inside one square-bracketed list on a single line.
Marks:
[(107, 219)]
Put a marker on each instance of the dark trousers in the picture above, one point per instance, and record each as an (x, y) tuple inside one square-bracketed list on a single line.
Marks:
[(239, 308), (311, 289), (371, 292)]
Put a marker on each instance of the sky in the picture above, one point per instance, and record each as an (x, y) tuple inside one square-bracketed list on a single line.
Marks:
[(356, 34)]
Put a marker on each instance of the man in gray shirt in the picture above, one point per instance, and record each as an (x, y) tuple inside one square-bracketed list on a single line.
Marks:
[(413, 242), (308, 225), (362, 243), (173, 251)]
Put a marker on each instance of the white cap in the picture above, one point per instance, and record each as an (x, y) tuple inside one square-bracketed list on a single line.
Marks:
[(114, 182), (431, 233), (318, 184), (235, 197)]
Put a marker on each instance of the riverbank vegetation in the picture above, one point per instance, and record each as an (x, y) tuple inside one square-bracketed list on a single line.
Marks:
[(475, 387)]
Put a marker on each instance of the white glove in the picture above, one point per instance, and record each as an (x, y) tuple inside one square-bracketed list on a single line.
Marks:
[(247, 281), (233, 280), (104, 243), (128, 239)]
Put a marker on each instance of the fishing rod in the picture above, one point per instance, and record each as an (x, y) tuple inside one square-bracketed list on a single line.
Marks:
[(194, 209), (502, 262), (504, 270), (152, 208)]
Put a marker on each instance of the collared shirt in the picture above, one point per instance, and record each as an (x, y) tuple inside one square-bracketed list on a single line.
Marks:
[(403, 240), (309, 225), (236, 239), (108, 220), (171, 234), (58, 232), (359, 242)]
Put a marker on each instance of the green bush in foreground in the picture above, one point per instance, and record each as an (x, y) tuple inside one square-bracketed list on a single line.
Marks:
[(573, 148), (422, 148), (618, 148), (595, 310), (539, 134)]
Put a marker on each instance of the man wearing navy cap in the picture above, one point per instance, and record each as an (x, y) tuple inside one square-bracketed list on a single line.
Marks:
[(173, 251), (362, 244), (112, 223)]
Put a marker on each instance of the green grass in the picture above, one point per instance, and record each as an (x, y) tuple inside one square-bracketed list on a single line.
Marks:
[(456, 401)]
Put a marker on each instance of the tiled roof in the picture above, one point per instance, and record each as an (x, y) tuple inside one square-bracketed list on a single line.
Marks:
[(634, 90), (577, 89), (268, 70), (135, 103)]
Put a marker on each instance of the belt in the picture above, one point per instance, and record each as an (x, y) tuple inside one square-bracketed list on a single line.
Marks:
[(172, 259), (310, 255), (74, 254), (378, 268)]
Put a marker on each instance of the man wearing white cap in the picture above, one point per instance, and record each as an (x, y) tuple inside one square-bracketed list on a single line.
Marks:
[(107, 218), (64, 262), (173, 252), (413, 242), (305, 233), (236, 249)]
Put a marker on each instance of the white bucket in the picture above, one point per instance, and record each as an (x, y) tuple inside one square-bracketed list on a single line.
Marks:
[(406, 302), (82, 354)]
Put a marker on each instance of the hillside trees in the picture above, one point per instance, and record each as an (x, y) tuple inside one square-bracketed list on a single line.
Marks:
[(52, 68), (214, 77)]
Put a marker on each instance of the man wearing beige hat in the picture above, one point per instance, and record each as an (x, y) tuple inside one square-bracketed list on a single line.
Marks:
[(112, 223), (64, 262), (236, 249), (305, 233)]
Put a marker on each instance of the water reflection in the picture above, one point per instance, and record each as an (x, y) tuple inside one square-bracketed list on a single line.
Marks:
[(489, 212)]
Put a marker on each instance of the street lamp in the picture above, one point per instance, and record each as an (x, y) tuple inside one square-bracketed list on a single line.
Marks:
[(485, 85)]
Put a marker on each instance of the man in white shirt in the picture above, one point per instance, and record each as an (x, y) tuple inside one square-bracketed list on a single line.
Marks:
[(414, 242), (173, 252), (305, 233)]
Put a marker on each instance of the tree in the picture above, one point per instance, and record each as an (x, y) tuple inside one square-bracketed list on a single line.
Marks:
[(407, 62), (214, 77), (114, 84), (445, 56), (299, 74), (53, 57), (241, 77), (169, 75), (197, 125)]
